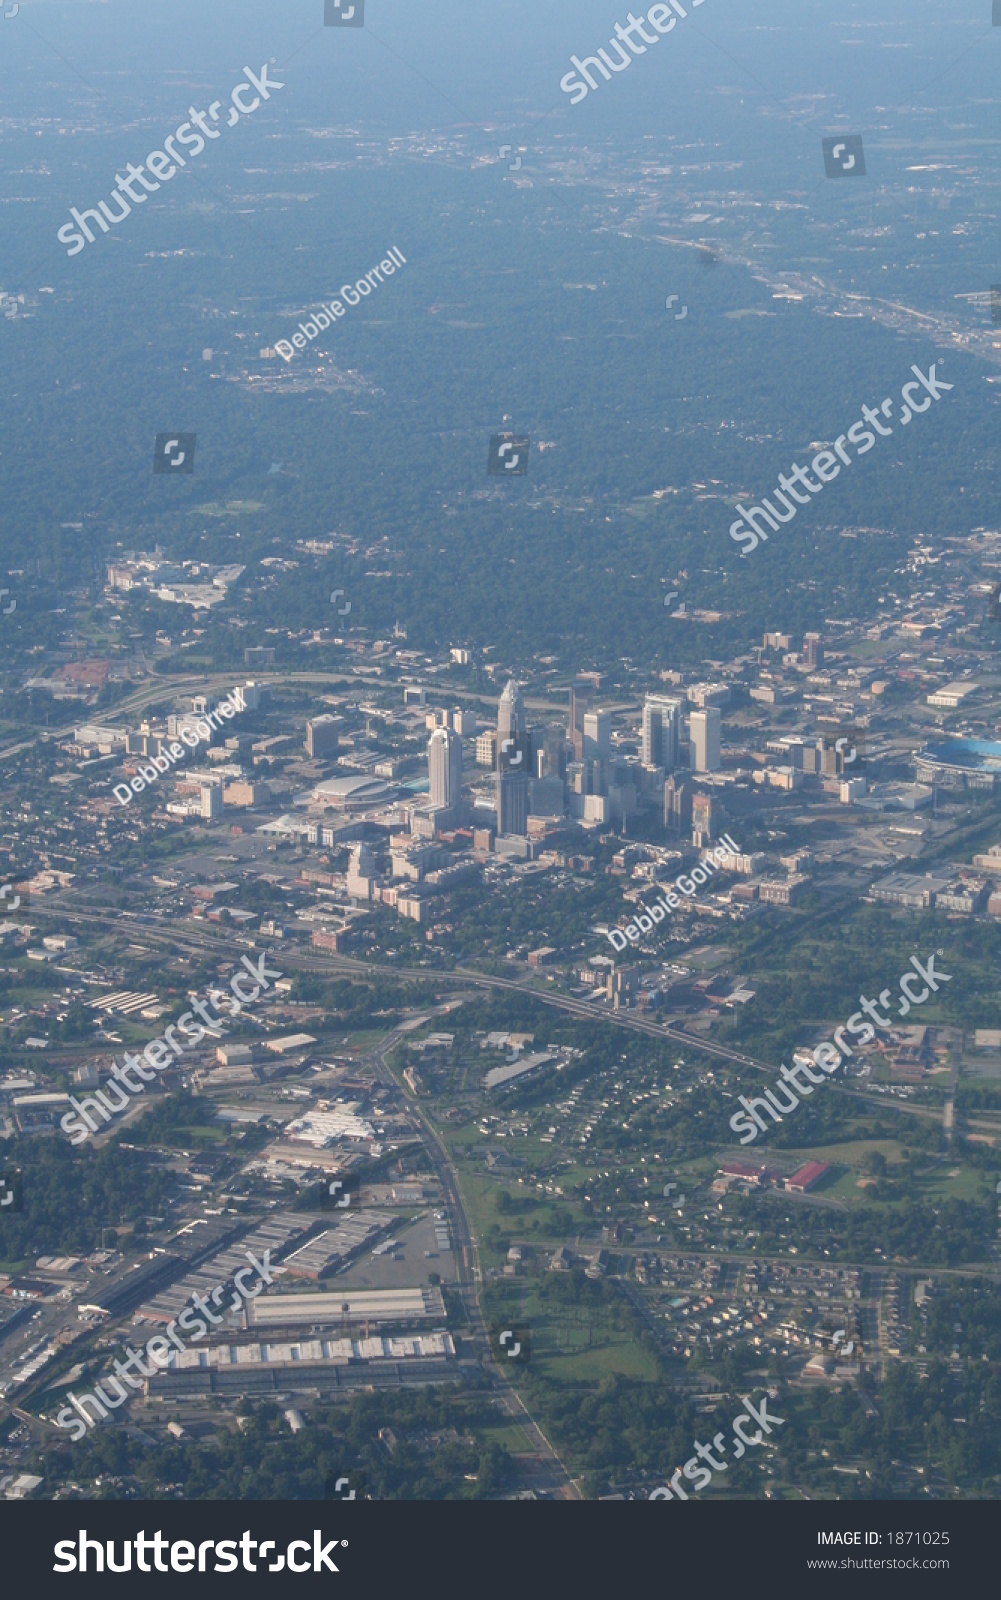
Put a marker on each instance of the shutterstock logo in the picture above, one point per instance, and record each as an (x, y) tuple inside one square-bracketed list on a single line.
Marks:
[(13, 897), (849, 747), (174, 452), (344, 14), (511, 1344), (335, 1197), (514, 754), (917, 397), (345, 1486), (11, 1198), (178, 1555), (508, 456), (844, 156)]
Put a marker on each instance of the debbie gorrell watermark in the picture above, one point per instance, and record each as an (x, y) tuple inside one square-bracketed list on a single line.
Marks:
[(393, 262), (79, 1124), (175, 752), (688, 883)]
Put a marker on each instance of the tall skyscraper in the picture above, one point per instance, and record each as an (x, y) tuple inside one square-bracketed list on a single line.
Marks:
[(513, 769), (580, 701), (512, 802), (677, 804), (597, 735), (445, 767), (361, 874), (551, 757), (661, 725), (703, 819), (705, 732), (321, 736), (511, 711), (813, 650)]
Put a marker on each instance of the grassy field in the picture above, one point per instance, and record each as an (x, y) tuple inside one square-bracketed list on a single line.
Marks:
[(510, 1437)]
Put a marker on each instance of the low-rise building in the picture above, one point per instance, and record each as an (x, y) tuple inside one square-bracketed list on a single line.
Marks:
[(787, 892), (807, 1177), (908, 889), (952, 695)]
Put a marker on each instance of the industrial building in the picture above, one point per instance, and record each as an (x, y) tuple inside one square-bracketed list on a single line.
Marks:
[(318, 1365), (421, 1304), (334, 1248), (276, 1237)]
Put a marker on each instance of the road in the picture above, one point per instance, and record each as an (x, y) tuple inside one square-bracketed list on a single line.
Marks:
[(169, 687), (551, 1477), (203, 943)]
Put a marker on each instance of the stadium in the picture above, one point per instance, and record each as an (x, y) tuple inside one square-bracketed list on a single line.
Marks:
[(960, 763)]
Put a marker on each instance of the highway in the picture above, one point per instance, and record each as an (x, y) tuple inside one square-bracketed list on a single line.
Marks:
[(220, 683), (551, 1477), (202, 943), (205, 944)]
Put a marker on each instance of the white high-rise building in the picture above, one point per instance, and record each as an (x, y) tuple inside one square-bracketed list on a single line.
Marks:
[(597, 735), (705, 730), (661, 724), (512, 762), (445, 767), (361, 875), (511, 711)]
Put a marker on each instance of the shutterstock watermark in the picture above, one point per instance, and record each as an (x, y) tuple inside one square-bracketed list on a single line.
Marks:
[(158, 1349), (688, 883), (508, 455), (844, 156), (511, 1344), (663, 18), (699, 1476), (336, 1196), (917, 398), (344, 14), (179, 1555), (13, 897), (829, 1056), (162, 165), (79, 1124), (345, 1486), (850, 747), (174, 452), (393, 262), (192, 737)]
